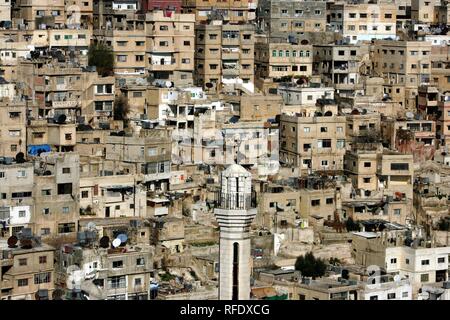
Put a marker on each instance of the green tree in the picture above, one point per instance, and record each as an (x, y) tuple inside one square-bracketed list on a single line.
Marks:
[(102, 57), (310, 266)]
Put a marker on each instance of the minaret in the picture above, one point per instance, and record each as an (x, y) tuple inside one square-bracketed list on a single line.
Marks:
[(234, 214)]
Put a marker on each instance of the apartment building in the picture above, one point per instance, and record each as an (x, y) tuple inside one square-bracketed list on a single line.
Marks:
[(146, 155), (170, 50), (361, 166), (16, 191), (342, 66), (319, 202), (275, 58), (396, 173), (225, 55), (304, 96), (122, 273), (13, 127), (37, 14), (56, 194), (363, 125), (111, 197), (281, 17), (113, 14), (364, 20), (404, 65), (27, 272), (5, 11), (149, 5), (313, 142), (425, 11), (406, 256), (233, 11)]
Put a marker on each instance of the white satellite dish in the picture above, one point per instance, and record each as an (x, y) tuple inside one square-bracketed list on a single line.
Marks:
[(116, 243), (397, 278), (409, 115)]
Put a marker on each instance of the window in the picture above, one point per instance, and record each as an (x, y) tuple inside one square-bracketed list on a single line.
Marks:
[(324, 163), (317, 12), (366, 180), (44, 277), (324, 143), (340, 143), (394, 261), (441, 260), (425, 262), (374, 298), (399, 166), (388, 15), (140, 261), (84, 194), (65, 209), (137, 281), (122, 43), (66, 170), (163, 43), (391, 296), (306, 129), (140, 43), (315, 203), (405, 295), (22, 214), (121, 58), (185, 60), (139, 57), (22, 282), (163, 28), (46, 192), (117, 264), (64, 188), (303, 68), (66, 227), (46, 211), (21, 174), (45, 231), (424, 277), (116, 282), (42, 259), (397, 212), (23, 262), (323, 129), (186, 43), (329, 201)]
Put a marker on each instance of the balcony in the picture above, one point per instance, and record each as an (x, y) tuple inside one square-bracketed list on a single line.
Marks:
[(65, 104)]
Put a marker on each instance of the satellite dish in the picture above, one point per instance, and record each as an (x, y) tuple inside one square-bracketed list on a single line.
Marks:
[(12, 241), (397, 278), (104, 242), (116, 242), (26, 243), (409, 115), (60, 119), (209, 85), (20, 157), (123, 238), (91, 226)]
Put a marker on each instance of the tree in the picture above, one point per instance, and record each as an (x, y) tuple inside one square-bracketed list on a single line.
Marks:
[(121, 108), (102, 57), (350, 225), (310, 266)]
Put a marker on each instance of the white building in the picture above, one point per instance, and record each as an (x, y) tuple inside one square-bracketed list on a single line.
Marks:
[(383, 288), (234, 215)]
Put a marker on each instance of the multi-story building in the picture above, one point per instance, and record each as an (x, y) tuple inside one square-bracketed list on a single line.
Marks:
[(233, 11), (37, 14), (281, 17), (342, 66), (27, 273), (225, 55), (276, 58), (13, 127), (170, 40), (364, 20), (425, 11), (404, 65), (313, 142)]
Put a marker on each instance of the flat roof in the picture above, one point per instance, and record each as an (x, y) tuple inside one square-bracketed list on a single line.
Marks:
[(365, 234)]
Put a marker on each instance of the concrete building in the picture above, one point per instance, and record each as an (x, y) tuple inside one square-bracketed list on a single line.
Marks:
[(225, 56), (364, 20), (228, 10), (13, 127), (170, 47), (27, 272), (314, 142), (234, 215)]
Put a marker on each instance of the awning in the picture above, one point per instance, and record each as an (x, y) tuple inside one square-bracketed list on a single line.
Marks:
[(37, 149)]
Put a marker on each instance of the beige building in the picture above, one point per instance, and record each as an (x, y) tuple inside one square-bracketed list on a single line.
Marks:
[(234, 11), (12, 124), (36, 13), (313, 142), (404, 65), (276, 58), (225, 56), (26, 273), (170, 41)]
